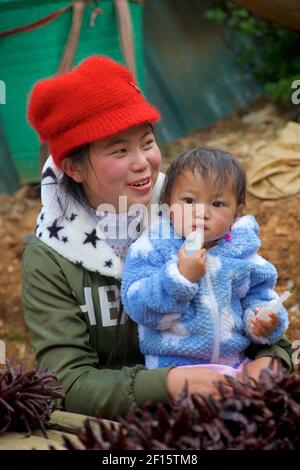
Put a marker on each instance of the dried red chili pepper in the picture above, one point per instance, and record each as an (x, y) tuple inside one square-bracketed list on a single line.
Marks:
[(249, 415), (26, 399)]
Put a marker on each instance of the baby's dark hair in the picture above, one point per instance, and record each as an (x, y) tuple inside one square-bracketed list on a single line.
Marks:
[(219, 166)]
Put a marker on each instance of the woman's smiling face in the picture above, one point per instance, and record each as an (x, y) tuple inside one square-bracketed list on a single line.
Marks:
[(126, 164)]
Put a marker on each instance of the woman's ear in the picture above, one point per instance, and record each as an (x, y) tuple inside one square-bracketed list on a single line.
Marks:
[(73, 170)]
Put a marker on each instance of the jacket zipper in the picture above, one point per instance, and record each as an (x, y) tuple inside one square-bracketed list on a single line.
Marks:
[(215, 318)]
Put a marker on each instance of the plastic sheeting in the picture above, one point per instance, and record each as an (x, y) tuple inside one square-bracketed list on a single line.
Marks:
[(276, 166), (9, 180), (28, 57), (191, 74)]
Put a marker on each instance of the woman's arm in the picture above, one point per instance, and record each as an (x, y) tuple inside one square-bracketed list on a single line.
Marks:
[(60, 337), (282, 349), (263, 357), (61, 340)]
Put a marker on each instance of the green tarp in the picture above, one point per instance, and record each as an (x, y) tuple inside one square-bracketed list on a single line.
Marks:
[(27, 57), (191, 72)]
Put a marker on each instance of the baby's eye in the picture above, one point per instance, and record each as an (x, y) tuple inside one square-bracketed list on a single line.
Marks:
[(218, 204), (188, 200)]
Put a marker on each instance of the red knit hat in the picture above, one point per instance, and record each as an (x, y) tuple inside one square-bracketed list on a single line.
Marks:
[(95, 100)]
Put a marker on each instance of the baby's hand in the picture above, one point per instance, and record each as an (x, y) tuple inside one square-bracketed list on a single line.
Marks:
[(261, 327), (192, 267)]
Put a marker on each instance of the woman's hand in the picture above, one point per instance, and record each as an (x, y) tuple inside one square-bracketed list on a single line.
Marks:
[(198, 379), (192, 267), (255, 367)]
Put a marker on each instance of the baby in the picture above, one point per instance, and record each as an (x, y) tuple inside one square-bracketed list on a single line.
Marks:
[(201, 308)]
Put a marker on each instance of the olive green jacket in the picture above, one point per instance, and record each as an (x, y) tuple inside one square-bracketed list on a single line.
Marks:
[(72, 315)]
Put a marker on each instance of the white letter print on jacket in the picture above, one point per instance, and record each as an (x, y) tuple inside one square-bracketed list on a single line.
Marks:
[(106, 305)]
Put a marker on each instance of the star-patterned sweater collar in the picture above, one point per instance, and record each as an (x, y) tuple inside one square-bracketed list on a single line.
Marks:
[(74, 235)]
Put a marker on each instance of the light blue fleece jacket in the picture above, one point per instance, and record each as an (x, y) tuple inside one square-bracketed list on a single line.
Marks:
[(185, 323)]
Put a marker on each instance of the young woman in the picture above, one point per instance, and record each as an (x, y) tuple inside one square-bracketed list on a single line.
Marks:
[(99, 130)]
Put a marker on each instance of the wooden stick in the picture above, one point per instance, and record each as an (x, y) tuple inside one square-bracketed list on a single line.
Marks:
[(125, 32)]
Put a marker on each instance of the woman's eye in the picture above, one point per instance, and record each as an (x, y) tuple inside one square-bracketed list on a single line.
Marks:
[(188, 200), (218, 204), (119, 152), (148, 143)]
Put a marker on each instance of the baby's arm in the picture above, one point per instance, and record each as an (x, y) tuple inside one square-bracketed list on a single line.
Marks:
[(263, 278), (154, 293)]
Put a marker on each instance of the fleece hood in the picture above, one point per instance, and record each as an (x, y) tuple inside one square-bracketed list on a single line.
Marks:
[(76, 234)]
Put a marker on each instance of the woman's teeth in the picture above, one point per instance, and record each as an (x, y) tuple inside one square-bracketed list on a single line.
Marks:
[(142, 183)]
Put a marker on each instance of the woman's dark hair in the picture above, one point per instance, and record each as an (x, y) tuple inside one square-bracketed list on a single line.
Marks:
[(68, 188), (221, 167), (71, 188)]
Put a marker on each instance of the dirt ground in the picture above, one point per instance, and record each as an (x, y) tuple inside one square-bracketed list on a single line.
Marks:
[(279, 221)]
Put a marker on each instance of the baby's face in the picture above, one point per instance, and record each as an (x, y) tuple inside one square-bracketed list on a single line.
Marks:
[(196, 205)]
